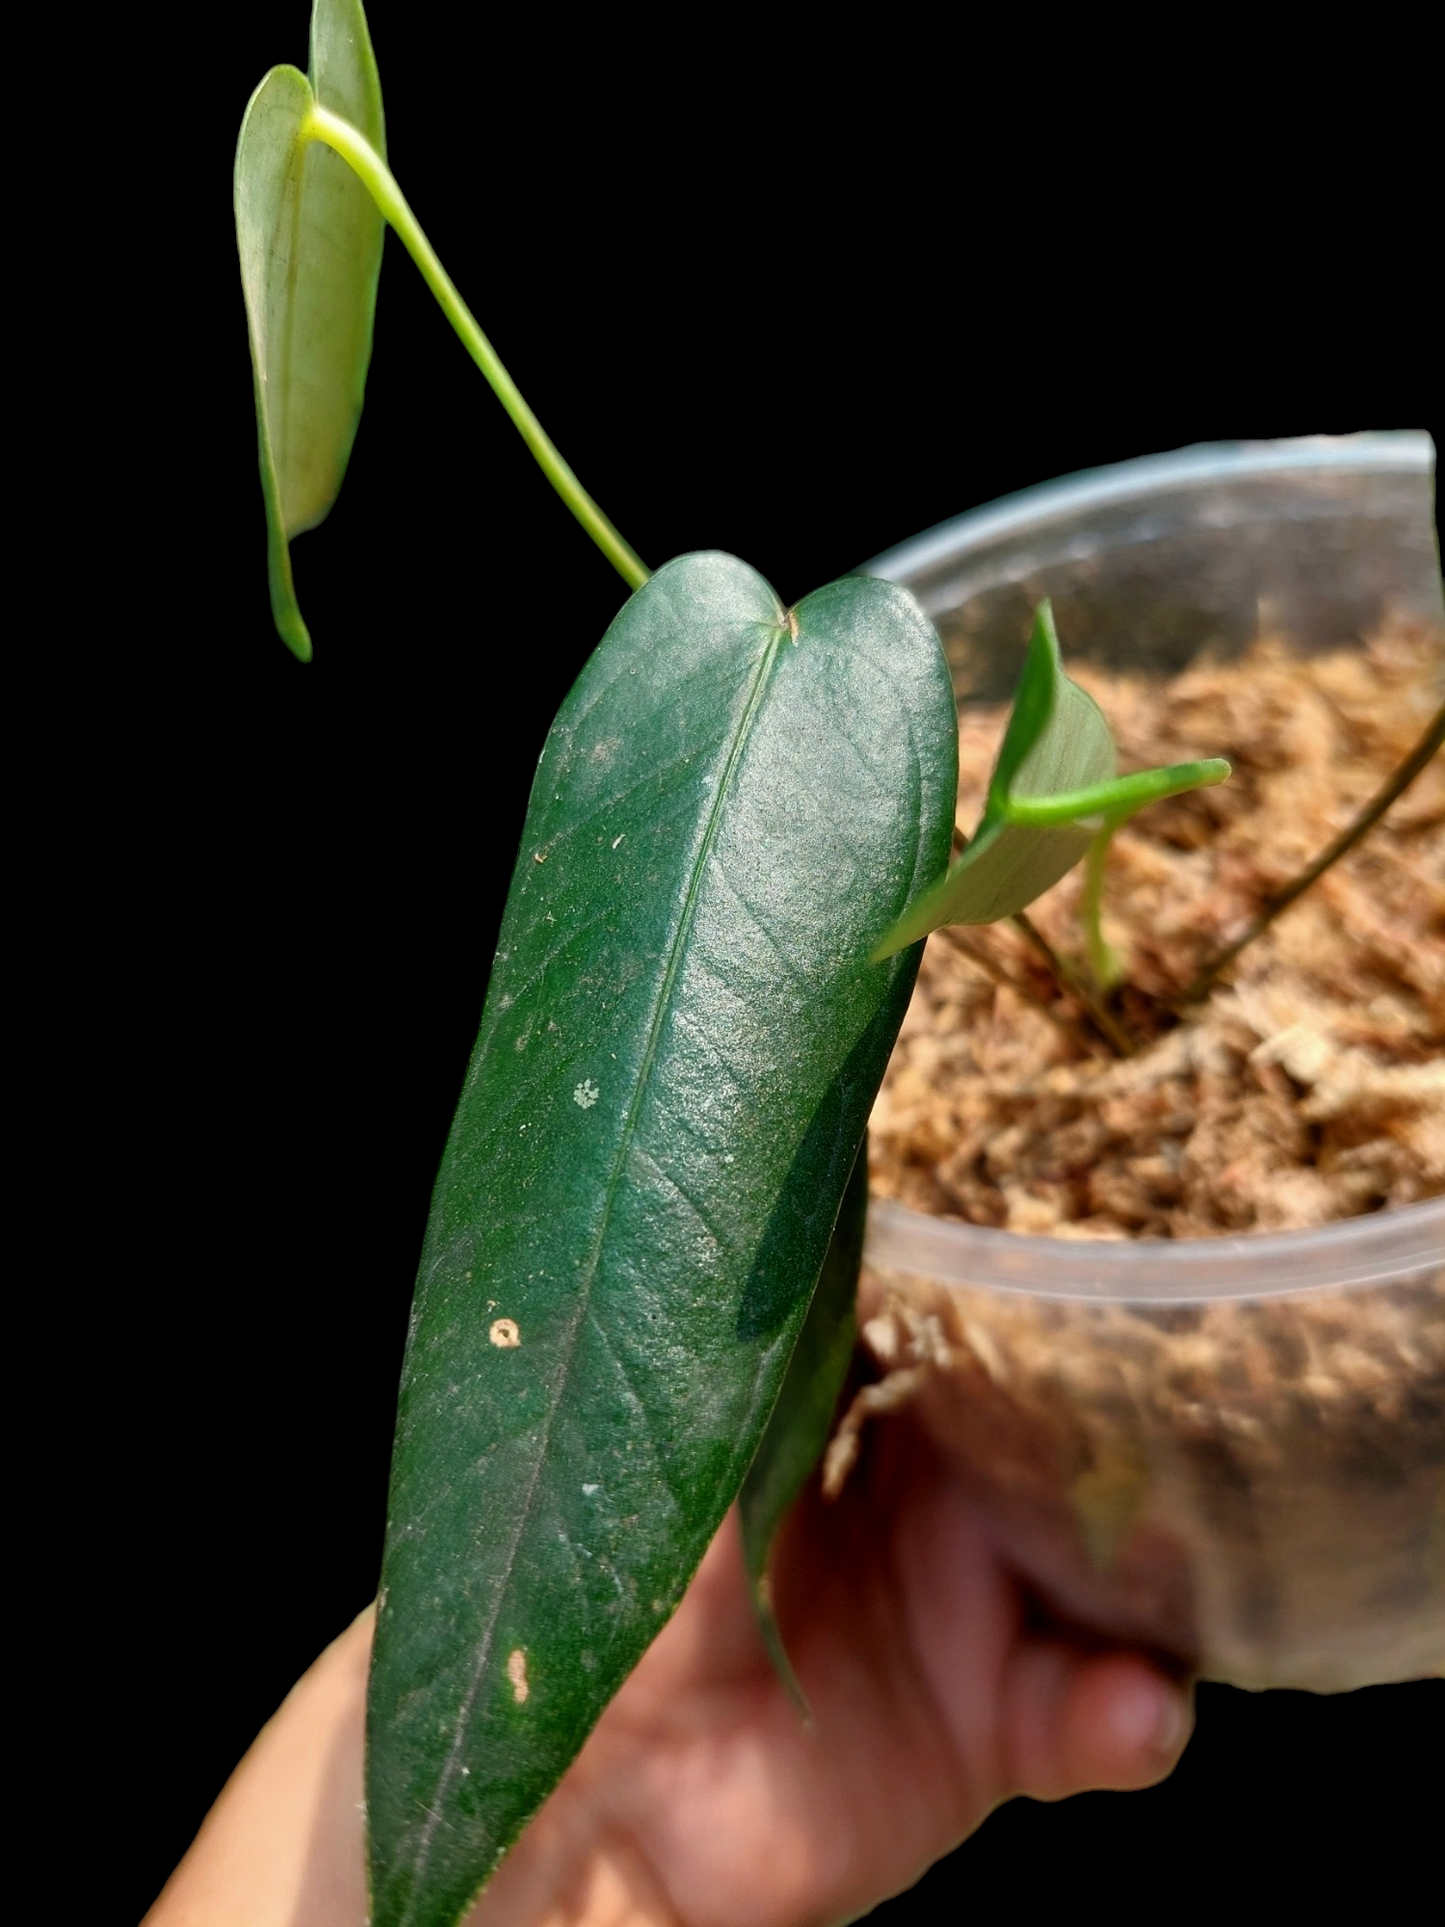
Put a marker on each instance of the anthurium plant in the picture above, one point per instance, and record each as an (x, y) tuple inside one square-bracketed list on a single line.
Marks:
[(634, 1303)]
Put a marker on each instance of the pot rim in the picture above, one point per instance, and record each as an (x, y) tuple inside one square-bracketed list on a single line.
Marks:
[(1381, 1248), (1409, 451), (1375, 1249)]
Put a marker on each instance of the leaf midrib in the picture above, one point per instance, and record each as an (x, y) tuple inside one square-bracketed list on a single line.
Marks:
[(588, 1273), (281, 456)]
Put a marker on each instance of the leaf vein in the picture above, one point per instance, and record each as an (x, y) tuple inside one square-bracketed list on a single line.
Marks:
[(587, 1278)]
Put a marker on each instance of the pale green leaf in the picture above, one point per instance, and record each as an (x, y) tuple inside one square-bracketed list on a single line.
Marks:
[(310, 240), (1057, 740)]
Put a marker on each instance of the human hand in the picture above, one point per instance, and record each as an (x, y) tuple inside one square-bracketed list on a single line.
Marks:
[(939, 1690)]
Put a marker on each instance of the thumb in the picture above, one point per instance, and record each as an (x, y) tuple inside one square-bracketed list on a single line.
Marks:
[(1076, 1720)]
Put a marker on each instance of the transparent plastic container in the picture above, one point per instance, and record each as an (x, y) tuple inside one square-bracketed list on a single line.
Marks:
[(1232, 1449)]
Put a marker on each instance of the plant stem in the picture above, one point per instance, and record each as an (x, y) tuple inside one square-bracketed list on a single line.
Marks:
[(1066, 978), (1069, 979), (1103, 959), (956, 940), (1281, 900), (380, 183)]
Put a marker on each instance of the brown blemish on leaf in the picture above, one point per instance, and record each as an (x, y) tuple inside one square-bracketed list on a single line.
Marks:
[(504, 1333), (517, 1674)]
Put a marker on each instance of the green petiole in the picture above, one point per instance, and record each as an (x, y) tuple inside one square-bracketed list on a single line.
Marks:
[(1112, 803), (1117, 798), (1104, 960), (358, 153)]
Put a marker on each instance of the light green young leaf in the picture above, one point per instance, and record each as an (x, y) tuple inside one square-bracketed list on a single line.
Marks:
[(310, 241), (798, 1429), (1052, 789), (1057, 739)]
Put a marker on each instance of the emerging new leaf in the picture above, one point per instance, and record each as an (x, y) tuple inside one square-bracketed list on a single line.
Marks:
[(310, 241), (1052, 791), (1057, 739)]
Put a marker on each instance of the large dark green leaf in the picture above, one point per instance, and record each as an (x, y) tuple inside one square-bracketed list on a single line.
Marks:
[(310, 241), (798, 1429), (681, 1041)]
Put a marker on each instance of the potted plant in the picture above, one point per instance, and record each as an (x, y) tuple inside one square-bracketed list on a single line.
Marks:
[(1187, 1491), (774, 1319)]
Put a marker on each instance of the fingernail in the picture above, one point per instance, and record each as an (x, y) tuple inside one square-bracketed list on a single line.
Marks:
[(1171, 1723), (1151, 1714)]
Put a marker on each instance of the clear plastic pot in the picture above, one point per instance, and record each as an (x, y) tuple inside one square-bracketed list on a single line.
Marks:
[(1232, 1449)]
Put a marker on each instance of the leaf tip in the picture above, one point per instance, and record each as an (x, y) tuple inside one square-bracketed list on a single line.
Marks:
[(1046, 627), (777, 1652), (285, 610), (295, 636), (900, 933)]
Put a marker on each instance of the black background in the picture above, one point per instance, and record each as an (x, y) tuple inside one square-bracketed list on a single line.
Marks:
[(793, 314)]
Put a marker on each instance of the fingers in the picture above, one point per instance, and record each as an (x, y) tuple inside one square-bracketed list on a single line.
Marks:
[(1074, 1720), (1026, 1705), (283, 1843)]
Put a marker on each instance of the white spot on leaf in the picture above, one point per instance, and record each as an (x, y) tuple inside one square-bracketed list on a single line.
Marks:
[(586, 1094), (504, 1333), (588, 1490)]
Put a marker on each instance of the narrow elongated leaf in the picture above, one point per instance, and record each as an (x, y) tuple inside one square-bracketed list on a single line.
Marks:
[(1057, 739), (681, 1040), (798, 1430), (310, 241)]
